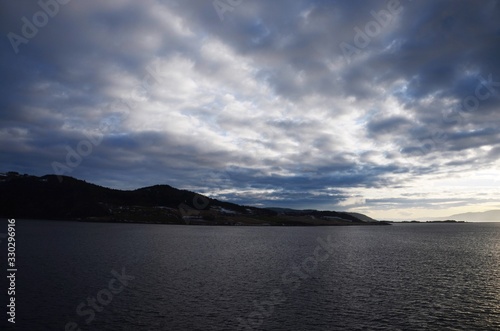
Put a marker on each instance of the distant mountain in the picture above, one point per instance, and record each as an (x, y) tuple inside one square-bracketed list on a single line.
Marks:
[(48, 197), (487, 216)]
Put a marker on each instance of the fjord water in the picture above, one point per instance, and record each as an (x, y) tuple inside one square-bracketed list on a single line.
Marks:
[(399, 277)]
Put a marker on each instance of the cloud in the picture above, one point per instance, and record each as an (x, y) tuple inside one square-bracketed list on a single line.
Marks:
[(264, 99)]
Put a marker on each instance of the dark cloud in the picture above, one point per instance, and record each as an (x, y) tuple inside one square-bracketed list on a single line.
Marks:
[(263, 104), (392, 125)]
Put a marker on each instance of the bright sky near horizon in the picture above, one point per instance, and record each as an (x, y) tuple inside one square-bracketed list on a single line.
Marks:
[(389, 108)]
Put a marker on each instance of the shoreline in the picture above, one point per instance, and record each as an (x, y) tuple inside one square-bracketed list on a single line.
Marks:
[(208, 223)]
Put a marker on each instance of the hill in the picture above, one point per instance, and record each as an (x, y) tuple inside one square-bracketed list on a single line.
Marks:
[(47, 197), (487, 216)]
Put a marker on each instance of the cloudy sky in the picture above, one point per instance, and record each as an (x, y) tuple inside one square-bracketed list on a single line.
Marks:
[(390, 108)]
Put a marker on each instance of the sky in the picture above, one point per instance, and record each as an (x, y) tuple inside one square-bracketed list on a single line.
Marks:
[(388, 108)]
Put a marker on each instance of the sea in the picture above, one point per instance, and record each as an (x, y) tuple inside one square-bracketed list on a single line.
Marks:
[(106, 276)]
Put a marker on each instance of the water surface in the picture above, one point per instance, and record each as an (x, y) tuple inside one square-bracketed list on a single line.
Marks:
[(399, 277)]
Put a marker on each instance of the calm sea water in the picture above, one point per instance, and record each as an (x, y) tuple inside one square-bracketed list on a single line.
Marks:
[(400, 277)]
